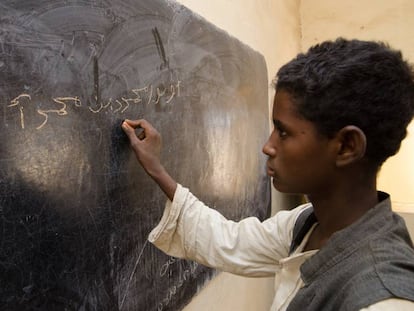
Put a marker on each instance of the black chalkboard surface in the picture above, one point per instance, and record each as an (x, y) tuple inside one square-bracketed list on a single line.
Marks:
[(75, 207)]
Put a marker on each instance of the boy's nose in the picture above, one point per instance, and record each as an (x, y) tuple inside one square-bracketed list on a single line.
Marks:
[(268, 149)]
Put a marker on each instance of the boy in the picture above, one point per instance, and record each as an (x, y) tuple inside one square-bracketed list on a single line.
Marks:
[(340, 110)]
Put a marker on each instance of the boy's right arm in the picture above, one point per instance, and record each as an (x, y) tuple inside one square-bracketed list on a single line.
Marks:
[(147, 149), (190, 229)]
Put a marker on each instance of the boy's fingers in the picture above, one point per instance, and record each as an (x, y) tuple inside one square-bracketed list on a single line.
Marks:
[(133, 129), (129, 130), (140, 133), (132, 123)]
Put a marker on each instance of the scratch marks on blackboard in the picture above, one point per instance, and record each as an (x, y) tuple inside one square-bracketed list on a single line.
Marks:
[(132, 274), (186, 271), (96, 80), (160, 48), (62, 48)]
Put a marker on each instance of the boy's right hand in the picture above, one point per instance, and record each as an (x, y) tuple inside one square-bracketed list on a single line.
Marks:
[(147, 148), (146, 145)]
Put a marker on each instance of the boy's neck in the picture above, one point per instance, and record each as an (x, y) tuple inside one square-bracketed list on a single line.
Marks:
[(342, 206)]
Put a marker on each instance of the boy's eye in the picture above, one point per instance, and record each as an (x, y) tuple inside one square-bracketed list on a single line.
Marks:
[(282, 133), (280, 130)]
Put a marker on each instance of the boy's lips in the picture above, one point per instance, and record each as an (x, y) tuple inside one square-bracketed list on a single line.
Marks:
[(270, 171)]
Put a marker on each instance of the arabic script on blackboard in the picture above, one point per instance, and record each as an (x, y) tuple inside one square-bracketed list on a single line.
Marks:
[(145, 96)]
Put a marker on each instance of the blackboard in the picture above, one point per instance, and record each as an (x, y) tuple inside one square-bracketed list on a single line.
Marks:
[(75, 207)]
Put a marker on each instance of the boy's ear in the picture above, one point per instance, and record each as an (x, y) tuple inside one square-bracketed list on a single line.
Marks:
[(351, 146)]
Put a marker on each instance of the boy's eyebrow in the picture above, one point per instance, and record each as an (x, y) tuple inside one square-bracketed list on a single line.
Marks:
[(278, 124)]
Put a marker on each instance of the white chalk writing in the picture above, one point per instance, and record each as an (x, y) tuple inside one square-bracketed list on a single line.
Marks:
[(183, 276), (146, 95)]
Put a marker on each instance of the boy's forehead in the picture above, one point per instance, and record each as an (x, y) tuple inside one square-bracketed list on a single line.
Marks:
[(283, 100)]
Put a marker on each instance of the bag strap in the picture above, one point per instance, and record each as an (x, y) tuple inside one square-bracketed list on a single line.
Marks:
[(305, 221)]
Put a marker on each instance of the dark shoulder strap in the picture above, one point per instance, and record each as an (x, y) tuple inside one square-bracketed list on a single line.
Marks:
[(305, 221)]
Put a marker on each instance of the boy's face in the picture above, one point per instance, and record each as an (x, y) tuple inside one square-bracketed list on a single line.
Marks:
[(300, 160)]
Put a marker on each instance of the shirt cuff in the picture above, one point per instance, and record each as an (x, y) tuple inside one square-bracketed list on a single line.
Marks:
[(163, 233)]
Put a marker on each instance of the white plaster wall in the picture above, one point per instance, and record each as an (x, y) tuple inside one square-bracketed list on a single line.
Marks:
[(270, 27), (383, 20)]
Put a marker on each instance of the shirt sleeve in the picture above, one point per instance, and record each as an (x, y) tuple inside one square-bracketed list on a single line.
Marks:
[(391, 304), (189, 229)]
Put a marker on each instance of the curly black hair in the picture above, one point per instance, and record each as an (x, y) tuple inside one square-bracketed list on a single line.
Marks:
[(353, 82)]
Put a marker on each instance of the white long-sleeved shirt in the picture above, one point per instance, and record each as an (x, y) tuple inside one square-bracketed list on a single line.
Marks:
[(189, 229)]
